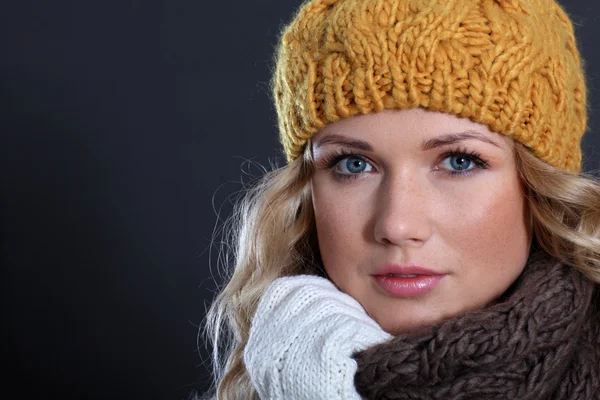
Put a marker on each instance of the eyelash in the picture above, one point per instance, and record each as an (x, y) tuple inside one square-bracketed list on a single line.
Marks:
[(332, 160)]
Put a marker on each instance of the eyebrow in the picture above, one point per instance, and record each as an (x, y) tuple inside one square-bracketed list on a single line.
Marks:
[(444, 140), (334, 138), (452, 138)]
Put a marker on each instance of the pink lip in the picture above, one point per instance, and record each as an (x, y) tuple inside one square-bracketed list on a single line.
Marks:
[(407, 286)]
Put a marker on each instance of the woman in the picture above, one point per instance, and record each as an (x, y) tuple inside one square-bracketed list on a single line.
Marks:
[(432, 236)]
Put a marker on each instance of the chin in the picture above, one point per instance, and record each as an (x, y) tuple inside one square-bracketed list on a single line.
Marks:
[(410, 323), (406, 326)]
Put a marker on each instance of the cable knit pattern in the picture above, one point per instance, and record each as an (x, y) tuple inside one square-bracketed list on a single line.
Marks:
[(512, 65), (301, 341), (542, 342)]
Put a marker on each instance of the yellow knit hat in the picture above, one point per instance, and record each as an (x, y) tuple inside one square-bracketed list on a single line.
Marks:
[(512, 65)]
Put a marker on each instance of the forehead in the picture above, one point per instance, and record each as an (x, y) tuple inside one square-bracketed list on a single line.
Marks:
[(411, 128)]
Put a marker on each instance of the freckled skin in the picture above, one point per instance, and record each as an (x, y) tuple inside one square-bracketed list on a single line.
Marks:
[(473, 228)]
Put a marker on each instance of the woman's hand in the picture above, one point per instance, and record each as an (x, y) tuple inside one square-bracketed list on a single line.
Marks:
[(302, 339)]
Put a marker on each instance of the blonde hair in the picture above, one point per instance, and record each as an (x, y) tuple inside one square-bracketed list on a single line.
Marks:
[(273, 232)]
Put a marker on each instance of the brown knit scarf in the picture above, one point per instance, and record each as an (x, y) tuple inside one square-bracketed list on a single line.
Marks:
[(541, 341)]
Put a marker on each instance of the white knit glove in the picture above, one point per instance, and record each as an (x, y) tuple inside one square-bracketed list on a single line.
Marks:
[(301, 341)]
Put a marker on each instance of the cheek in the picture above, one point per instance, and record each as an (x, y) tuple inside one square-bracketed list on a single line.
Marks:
[(491, 228), (341, 216)]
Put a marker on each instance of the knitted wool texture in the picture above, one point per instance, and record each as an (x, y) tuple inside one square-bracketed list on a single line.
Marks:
[(542, 342), (512, 65), (302, 338)]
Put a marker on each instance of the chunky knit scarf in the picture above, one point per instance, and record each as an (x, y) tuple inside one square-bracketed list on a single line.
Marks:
[(541, 341)]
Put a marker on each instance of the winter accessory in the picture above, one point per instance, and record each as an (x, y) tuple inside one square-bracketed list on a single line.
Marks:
[(301, 341), (512, 65), (540, 342)]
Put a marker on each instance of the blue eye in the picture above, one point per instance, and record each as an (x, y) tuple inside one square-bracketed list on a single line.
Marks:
[(347, 166), (459, 162), (353, 165)]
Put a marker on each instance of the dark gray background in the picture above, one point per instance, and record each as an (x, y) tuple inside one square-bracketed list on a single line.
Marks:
[(124, 125)]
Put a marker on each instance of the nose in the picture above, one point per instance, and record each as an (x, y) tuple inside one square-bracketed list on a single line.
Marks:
[(403, 216)]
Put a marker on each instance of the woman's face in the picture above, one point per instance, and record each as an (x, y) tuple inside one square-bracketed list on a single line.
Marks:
[(420, 215)]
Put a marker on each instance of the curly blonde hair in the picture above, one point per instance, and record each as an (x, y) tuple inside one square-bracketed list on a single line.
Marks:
[(272, 233)]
